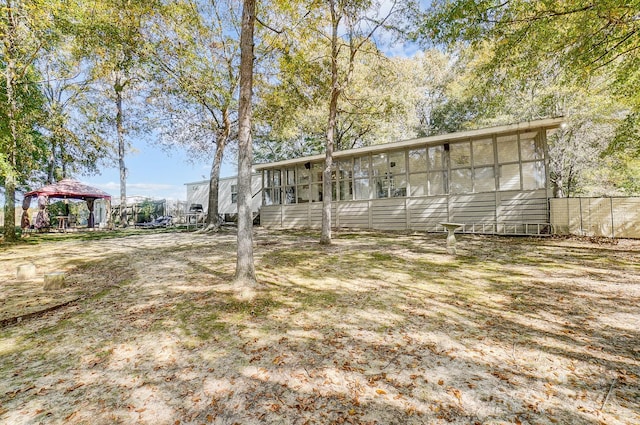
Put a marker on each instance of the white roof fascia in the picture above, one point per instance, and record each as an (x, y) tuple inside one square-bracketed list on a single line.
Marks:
[(220, 179)]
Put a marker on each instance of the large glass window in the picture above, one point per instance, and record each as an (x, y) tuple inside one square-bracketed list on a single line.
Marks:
[(361, 187), (460, 154), (303, 174), (510, 177), (271, 193), (483, 152), (418, 184), (316, 179), (361, 171), (303, 178), (289, 186), (508, 149), (418, 160), (397, 174), (460, 181), (509, 160), (533, 175), (437, 183), (344, 171), (533, 170), (437, 177), (531, 147), (460, 157), (316, 171), (484, 179), (381, 178), (361, 167), (436, 157)]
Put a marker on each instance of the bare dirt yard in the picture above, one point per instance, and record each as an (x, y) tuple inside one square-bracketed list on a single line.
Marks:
[(378, 328)]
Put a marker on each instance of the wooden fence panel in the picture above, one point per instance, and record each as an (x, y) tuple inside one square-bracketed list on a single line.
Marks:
[(605, 217)]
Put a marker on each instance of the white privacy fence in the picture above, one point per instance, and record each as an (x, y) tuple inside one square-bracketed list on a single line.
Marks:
[(606, 217)]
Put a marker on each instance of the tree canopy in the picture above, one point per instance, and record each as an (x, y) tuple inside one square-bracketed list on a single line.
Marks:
[(584, 37), (74, 79)]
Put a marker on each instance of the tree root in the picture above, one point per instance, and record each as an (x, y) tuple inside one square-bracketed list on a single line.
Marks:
[(18, 319)]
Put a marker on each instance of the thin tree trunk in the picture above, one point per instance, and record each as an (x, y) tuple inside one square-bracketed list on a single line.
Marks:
[(213, 216), (325, 238), (121, 151), (10, 178), (52, 164), (245, 269)]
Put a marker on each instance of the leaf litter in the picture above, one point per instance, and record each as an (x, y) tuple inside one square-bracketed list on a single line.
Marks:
[(378, 328)]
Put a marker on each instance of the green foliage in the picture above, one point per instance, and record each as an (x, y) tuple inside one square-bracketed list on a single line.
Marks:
[(506, 72), (148, 210), (194, 71), (75, 144), (583, 37), (66, 208), (376, 106), (28, 151)]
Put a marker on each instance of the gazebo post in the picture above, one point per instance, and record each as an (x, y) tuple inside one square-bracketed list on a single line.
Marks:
[(109, 218), (24, 220), (91, 220)]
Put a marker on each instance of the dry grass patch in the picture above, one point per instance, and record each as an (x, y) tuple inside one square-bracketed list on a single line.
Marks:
[(376, 328)]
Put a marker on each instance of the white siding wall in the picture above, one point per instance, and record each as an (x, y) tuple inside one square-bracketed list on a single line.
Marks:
[(511, 212), (389, 214), (271, 216), (427, 213), (198, 193), (354, 214), (473, 208)]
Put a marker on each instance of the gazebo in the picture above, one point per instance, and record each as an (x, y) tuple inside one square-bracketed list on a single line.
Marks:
[(64, 189)]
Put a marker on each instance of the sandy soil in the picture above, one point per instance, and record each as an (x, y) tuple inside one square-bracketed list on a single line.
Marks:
[(377, 328)]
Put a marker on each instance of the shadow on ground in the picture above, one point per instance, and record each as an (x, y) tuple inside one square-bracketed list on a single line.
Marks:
[(377, 328)]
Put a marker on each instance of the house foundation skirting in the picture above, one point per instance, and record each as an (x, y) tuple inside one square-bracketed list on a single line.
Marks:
[(508, 212)]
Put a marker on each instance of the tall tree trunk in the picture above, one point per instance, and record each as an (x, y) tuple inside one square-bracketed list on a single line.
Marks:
[(12, 110), (245, 269), (118, 87), (213, 219), (51, 166), (325, 238), (213, 214)]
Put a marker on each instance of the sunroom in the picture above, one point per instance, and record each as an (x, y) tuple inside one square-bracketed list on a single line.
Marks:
[(492, 180)]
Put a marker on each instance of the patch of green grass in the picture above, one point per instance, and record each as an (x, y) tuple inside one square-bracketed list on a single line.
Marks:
[(259, 307), (215, 318), (381, 256), (86, 235), (317, 299), (200, 321), (288, 258)]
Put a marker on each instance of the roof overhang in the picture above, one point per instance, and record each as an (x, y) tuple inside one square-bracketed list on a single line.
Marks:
[(69, 189), (547, 124)]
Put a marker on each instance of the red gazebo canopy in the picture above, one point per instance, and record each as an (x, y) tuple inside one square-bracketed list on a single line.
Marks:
[(69, 188)]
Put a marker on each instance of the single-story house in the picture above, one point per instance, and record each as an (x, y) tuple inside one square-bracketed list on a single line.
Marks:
[(491, 180)]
